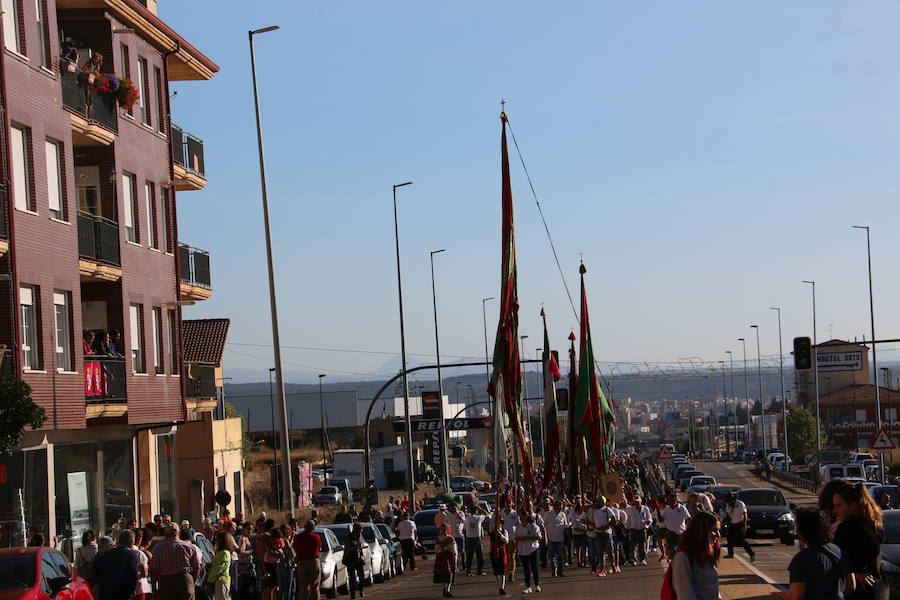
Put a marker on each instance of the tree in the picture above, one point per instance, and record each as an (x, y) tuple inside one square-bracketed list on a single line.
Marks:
[(17, 411), (801, 424)]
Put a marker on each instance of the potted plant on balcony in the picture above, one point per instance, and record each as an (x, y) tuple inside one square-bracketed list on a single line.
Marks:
[(127, 95)]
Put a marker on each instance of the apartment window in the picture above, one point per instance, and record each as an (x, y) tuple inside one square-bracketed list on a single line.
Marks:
[(30, 329), (63, 331), (130, 199), (160, 100), (20, 163), (43, 31), (143, 105), (171, 339), (53, 152), (12, 32), (125, 66), (156, 327), (136, 318), (166, 238), (152, 237)]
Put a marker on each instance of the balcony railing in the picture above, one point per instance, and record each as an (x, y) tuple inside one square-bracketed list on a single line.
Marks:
[(79, 98), (199, 381), (187, 151), (98, 239), (104, 380), (194, 264)]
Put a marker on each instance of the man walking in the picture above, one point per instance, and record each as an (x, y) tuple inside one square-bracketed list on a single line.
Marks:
[(474, 531), (115, 577), (307, 547), (175, 566), (406, 531), (637, 521), (674, 518), (556, 522), (456, 521), (736, 512)]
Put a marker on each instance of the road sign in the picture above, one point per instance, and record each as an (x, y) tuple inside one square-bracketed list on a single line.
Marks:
[(426, 425), (665, 453), (882, 441)]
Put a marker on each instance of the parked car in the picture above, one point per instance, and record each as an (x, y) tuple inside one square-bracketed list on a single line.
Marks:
[(848, 471), (334, 579), (381, 556), (720, 493), (38, 573), (858, 457), (700, 483), (890, 490), (343, 486), (462, 483), (327, 494), (489, 499), (685, 477), (770, 515), (482, 486), (426, 528), (342, 532), (676, 471), (395, 551), (890, 551)]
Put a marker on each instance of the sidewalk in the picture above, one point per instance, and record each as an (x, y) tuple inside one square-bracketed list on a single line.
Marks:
[(738, 581)]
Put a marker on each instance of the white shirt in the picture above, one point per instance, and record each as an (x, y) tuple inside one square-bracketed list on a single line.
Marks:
[(603, 517), (638, 518), (456, 521), (706, 503), (555, 523), (510, 522), (675, 519), (578, 528), (588, 520), (527, 547), (473, 526), (406, 530), (139, 558), (737, 513)]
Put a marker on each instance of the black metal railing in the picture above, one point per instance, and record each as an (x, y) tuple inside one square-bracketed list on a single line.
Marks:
[(187, 151), (80, 98), (194, 265), (98, 239), (199, 381), (104, 380)]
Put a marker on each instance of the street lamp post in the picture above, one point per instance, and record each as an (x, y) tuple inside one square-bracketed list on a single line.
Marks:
[(322, 411), (445, 458), (874, 346), (762, 401), (733, 400), (410, 462), (784, 426), (287, 499), (816, 366), (746, 390)]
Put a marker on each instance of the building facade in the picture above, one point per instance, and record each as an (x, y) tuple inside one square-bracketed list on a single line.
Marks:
[(89, 243)]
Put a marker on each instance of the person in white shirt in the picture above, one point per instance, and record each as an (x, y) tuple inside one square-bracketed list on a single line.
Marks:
[(511, 522), (528, 540), (407, 532), (674, 518), (737, 517), (706, 503), (603, 519), (474, 530), (456, 521), (579, 536), (638, 519), (556, 522)]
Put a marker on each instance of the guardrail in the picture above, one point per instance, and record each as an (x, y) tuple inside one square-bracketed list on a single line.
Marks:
[(796, 481)]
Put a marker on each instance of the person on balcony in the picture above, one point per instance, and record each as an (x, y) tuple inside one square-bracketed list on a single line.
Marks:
[(94, 64), (113, 343), (100, 345), (87, 341)]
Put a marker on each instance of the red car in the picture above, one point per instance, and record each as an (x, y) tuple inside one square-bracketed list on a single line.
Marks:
[(38, 573)]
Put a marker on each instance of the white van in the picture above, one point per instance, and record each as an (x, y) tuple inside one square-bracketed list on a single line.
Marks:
[(858, 457), (852, 472)]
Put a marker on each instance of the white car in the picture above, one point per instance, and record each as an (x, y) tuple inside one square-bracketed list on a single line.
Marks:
[(381, 560), (334, 579)]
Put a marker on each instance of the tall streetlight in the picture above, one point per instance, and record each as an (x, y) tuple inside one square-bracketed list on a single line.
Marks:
[(746, 390), (410, 463), (874, 345), (762, 400), (287, 488), (816, 366), (274, 445), (487, 367), (733, 399), (322, 411), (783, 394), (725, 401), (437, 347)]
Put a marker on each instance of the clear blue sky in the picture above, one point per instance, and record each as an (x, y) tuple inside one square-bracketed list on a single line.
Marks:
[(704, 156)]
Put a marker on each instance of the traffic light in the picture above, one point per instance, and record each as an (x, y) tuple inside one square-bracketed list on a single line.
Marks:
[(802, 353)]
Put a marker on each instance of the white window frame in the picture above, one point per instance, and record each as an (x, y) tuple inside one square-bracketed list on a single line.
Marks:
[(62, 331), (21, 183), (53, 154), (131, 230), (171, 321), (155, 318), (30, 327), (136, 322), (142, 101), (42, 32), (152, 239), (12, 34), (164, 222)]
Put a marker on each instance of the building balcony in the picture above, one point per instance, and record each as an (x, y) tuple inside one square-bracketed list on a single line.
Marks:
[(195, 279), (98, 248), (199, 387), (95, 116), (187, 156), (104, 387)]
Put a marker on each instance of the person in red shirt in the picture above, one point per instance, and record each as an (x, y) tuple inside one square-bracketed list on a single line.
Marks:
[(308, 545)]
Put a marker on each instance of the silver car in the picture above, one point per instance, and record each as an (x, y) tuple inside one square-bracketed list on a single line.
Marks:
[(334, 578), (327, 495), (342, 532)]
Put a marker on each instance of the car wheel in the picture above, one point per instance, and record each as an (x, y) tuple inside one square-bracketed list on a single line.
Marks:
[(788, 540), (332, 591), (343, 590)]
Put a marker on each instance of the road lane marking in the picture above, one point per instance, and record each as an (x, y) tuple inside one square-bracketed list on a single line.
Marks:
[(760, 574)]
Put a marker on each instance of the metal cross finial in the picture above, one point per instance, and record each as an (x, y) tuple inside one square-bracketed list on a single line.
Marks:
[(502, 105)]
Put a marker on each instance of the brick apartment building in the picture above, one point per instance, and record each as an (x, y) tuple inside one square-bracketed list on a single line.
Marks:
[(89, 241)]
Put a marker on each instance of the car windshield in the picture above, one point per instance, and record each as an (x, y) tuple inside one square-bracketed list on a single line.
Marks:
[(762, 498), (328, 490), (720, 493), (689, 474), (425, 518), (892, 528), (702, 480), (16, 571)]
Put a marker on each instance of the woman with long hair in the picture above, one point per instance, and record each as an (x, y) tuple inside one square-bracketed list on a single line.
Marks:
[(817, 571), (445, 559), (826, 503), (859, 536), (694, 573)]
